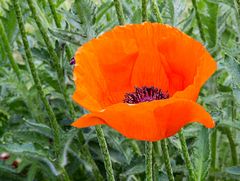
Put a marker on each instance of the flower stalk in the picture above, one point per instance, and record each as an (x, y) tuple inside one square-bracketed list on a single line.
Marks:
[(199, 23), (233, 149), (58, 24), (156, 11), (167, 160), (53, 55), (119, 10), (53, 122), (105, 152), (214, 149), (7, 47), (186, 155), (148, 158), (144, 10)]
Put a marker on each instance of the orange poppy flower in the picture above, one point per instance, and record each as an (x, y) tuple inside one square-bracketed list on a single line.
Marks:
[(142, 80)]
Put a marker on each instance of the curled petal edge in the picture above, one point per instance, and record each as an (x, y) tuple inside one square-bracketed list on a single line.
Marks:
[(150, 121)]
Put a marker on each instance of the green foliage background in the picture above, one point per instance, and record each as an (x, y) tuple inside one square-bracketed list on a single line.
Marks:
[(25, 132)]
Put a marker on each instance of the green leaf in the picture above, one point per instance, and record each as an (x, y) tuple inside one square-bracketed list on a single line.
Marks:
[(85, 10), (209, 18), (235, 170), (134, 170), (201, 155), (230, 124), (173, 10), (71, 37), (10, 23)]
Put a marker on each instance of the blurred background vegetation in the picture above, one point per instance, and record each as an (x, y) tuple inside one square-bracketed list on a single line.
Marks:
[(26, 138)]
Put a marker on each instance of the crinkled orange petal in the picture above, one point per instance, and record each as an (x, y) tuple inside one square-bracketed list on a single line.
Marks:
[(148, 54), (149, 121), (206, 68)]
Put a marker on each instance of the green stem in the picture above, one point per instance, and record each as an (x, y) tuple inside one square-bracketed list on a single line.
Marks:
[(213, 153), (64, 175), (149, 152), (199, 23), (213, 149), (186, 155), (53, 122), (156, 11), (54, 13), (86, 155), (156, 160), (53, 55), (135, 147), (8, 50), (119, 10), (167, 160), (15, 67), (228, 133), (106, 155), (85, 150), (58, 24), (144, 10)]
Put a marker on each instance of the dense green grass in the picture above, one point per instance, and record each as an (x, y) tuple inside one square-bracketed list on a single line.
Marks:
[(36, 141)]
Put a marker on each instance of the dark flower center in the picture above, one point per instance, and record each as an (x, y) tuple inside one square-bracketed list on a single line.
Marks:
[(145, 94)]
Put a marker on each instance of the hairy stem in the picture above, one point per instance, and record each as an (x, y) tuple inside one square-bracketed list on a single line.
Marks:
[(199, 23), (106, 155), (156, 160), (58, 24), (53, 122), (167, 160), (53, 55), (144, 10), (233, 149), (7, 47), (119, 10), (156, 11), (186, 155), (213, 149), (148, 158)]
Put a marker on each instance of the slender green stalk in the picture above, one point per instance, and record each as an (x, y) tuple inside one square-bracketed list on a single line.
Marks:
[(144, 10), (186, 155), (156, 11), (148, 158), (213, 154), (58, 24), (53, 55), (119, 10), (53, 122), (213, 149), (64, 175), (156, 160), (135, 147), (167, 160), (199, 23), (8, 50), (106, 155), (54, 13), (233, 149), (84, 154)]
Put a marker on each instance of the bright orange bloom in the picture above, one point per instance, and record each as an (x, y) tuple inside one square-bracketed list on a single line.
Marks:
[(155, 66)]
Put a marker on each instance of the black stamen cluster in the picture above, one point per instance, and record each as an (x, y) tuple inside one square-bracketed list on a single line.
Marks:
[(144, 94)]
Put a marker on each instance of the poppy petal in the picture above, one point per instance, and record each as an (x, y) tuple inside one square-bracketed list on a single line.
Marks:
[(206, 68), (148, 54), (102, 71), (150, 121)]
